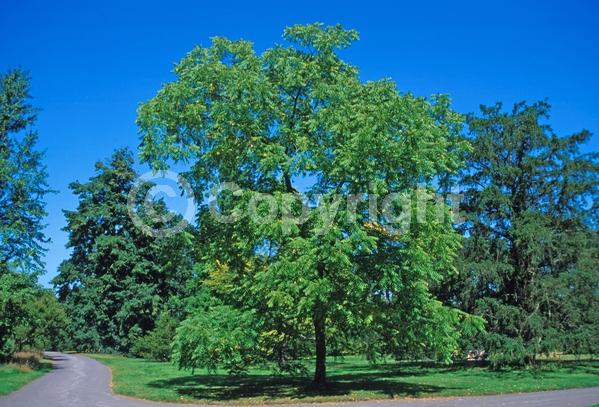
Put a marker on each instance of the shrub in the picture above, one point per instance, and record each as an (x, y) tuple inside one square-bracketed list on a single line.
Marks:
[(220, 336), (156, 344)]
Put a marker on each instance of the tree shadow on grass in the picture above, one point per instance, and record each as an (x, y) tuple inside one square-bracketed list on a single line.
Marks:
[(223, 388), (382, 381), (572, 366), (544, 368), (413, 369)]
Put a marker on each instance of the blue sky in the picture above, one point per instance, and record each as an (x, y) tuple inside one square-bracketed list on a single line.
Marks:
[(92, 63)]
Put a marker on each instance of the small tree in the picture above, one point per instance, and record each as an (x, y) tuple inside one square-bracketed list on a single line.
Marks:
[(157, 343), (299, 115), (16, 292), (44, 324), (30, 316)]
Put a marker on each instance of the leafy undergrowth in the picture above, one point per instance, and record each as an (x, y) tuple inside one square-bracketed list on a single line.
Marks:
[(13, 376), (350, 379)]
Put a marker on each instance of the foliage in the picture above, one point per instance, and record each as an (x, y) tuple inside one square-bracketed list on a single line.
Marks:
[(30, 317), (218, 336), (531, 246), (118, 278), (157, 343), (22, 179), (299, 112), (16, 291), (46, 323)]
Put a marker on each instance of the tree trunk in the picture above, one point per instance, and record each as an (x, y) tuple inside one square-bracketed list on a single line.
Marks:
[(320, 374)]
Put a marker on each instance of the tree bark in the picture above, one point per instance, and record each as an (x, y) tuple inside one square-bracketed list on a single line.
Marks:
[(320, 373)]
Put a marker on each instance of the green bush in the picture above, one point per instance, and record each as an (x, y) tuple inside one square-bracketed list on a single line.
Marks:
[(219, 336), (31, 318), (156, 344)]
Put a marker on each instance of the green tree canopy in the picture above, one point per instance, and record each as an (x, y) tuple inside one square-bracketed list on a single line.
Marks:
[(16, 292), (30, 316), (530, 257), (294, 115), (118, 278), (22, 178)]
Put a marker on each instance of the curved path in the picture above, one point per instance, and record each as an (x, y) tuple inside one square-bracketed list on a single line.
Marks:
[(77, 381)]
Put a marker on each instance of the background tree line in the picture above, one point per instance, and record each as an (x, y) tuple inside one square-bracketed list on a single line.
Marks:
[(523, 264)]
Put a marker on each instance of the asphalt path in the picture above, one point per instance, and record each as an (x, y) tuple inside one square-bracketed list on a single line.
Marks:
[(78, 381)]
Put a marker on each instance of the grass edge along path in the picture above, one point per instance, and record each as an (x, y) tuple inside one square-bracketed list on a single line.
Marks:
[(13, 377), (352, 379)]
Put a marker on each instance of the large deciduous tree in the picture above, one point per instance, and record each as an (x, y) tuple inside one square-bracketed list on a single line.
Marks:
[(22, 179), (118, 278), (531, 248), (295, 115)]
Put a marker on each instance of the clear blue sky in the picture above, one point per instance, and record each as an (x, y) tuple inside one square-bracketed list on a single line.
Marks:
[(92, 63)]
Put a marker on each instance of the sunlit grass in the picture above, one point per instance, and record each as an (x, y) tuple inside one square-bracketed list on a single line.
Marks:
[(351, 378), (13, 377)]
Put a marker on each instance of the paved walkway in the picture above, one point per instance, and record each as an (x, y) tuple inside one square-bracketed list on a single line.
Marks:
[(77, 381)]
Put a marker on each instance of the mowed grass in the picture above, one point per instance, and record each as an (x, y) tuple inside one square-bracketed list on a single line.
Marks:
[(13, 377), (351, 378)]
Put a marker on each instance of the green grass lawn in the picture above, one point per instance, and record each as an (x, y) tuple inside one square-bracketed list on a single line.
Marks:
[(351, 379), (13, 377)]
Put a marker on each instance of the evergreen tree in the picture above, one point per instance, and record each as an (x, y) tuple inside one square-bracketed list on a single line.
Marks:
[(118, 278), (530, 254), (22, 179)]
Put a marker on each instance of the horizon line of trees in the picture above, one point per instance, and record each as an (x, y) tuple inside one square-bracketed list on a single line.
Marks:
[(518, 278)]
